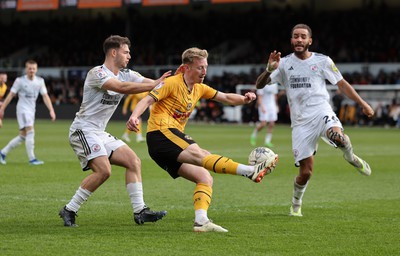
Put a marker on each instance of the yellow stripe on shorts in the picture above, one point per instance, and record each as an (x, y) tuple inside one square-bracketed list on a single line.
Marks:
[(175, 139)]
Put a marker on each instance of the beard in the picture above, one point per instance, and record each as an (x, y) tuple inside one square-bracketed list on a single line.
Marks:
[(301, 52)]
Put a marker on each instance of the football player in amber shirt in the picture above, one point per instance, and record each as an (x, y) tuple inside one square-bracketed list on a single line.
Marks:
[(176, 152)]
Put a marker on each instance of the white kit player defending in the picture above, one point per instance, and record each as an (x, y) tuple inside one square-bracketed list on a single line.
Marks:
[(95, 148), (303, 74)]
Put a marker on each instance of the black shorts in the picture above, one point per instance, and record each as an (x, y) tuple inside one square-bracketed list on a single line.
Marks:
[(165, 146)]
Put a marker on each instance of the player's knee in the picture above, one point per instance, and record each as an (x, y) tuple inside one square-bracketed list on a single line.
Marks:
[(206, 178), (104, 174), (135, 163)]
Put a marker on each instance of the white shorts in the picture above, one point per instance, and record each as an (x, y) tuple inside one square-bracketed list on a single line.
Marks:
[(89, 145), (25, 119), (305, 137), (268, 116)]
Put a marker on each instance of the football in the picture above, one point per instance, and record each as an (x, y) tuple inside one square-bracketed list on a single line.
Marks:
[(260, 154)]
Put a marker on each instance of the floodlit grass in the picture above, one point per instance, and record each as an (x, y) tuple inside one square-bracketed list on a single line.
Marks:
[(345, 213)]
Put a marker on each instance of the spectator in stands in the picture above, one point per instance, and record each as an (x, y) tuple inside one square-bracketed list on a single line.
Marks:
[(201, 111), (394, 113), (284, 109), (337, 100), (382, 114)]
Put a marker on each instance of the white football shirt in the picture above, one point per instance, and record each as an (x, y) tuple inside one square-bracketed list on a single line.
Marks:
[(28, 92), (305, 84), (268, 94), (98, 105)]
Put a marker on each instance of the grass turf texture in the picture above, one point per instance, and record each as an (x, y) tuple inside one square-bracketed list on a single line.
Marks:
[(345, 213)]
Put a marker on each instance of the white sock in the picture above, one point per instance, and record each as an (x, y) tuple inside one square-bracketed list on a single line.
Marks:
[(245, 170), (200, 216), (30, 144), (298, 193), (139, 137), (81, 195), (347, 149), (135, 191), (12, 144), (268, 137), (254, 134)]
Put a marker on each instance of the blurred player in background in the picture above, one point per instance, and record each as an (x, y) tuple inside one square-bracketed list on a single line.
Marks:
[(131, 101), (267, 102), (3, 89), (3, 86), (96, 149), (27, 88), (303, 74), (176, 152)]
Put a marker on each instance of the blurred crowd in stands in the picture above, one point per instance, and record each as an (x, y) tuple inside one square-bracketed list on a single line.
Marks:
[(357, 35)]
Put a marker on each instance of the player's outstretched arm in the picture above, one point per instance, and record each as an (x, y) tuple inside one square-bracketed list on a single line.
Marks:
[(272, 64), (349, 91), (235, 99), (132, 87)]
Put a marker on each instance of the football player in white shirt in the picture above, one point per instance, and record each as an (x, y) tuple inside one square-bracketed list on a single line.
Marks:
[(96, 149), (303, 74), (267, 113), (27, 87)]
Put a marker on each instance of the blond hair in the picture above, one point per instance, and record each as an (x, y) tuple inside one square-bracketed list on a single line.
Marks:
[(189, 54)]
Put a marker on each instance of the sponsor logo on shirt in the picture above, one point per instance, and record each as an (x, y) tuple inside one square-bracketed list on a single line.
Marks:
[(110, 99), (297, 82), (181, 116)]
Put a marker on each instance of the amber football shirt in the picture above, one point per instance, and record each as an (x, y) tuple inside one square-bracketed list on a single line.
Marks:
[(174, 103)]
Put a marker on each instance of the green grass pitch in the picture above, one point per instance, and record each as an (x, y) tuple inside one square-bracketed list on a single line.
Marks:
[(345, 213)]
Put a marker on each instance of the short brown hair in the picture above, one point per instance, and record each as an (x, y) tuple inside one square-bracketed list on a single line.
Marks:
[(114, 42), (189, 54), (303, 26)]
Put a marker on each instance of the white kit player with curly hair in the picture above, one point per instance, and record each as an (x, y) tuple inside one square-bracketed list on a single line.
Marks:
[(303, 74)]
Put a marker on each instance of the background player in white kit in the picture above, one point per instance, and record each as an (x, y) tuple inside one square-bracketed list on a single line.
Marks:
[(267, 113), (96, 149), (27, 87), (303, 74)]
